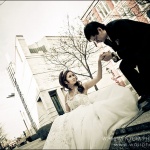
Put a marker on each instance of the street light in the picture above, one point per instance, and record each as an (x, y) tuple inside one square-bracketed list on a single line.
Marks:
[(11, 95)]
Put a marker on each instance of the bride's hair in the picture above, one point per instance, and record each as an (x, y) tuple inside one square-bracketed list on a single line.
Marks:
[(62, 79)]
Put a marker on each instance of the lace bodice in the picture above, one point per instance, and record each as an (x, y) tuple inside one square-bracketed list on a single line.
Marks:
[(79, 99)]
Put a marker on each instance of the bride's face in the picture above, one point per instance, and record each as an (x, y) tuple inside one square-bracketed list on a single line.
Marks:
[(71, 78)]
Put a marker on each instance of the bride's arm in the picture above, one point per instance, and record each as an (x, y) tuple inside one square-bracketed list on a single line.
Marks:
[(95, 80)]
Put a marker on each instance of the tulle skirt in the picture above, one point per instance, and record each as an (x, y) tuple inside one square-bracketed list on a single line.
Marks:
[(92, 126)]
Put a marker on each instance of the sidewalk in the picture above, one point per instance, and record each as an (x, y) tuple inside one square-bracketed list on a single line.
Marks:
[(37, 144)]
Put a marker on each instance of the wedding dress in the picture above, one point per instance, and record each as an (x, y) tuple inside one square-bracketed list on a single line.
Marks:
[(92, 121)]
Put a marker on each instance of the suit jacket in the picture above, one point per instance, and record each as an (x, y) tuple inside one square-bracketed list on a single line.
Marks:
[(129, 38)]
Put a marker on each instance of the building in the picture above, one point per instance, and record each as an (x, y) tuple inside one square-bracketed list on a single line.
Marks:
[(106, 11), (23, 111), (38, 93)]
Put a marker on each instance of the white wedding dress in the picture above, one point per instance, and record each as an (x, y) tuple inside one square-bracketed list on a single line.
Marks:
[(92, 122)]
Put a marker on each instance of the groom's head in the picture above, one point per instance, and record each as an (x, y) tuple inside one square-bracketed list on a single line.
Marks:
[(95, 31)]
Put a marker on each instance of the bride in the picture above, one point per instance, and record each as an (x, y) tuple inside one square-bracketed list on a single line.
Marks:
[(90, 123)]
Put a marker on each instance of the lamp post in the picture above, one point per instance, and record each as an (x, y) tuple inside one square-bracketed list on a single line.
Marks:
[(24, 122)]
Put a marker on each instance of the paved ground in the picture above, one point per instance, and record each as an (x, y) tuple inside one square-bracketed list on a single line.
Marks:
[(37, 144)]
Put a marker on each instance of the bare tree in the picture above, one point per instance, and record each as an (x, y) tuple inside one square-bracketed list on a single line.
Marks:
[(72, 51), (2, 135), (143, 2), (134, 9)]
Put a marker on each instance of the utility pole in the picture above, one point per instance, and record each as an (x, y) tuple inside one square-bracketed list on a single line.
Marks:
[(24, 122)]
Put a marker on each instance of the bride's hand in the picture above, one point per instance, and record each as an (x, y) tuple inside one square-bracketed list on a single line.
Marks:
[(106, 56), (100, 57)]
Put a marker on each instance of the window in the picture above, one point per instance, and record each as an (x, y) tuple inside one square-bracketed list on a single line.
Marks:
[(92, 17), (106, 6), (36, 50), (125, 11), (115, 2), (55, 100), (103, 9), (11, 73), (99, 8)]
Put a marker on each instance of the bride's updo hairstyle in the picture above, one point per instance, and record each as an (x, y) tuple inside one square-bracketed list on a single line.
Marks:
[(62, 79)]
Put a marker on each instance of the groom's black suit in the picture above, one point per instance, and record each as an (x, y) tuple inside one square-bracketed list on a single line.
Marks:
[(130, 39)]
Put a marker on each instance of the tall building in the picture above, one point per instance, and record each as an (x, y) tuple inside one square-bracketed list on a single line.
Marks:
[(42, 97), (23, 110)]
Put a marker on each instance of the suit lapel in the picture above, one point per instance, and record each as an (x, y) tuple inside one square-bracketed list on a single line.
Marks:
[(113, 44)]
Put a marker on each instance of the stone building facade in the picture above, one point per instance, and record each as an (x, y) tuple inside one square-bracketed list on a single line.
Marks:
[(43, 98)]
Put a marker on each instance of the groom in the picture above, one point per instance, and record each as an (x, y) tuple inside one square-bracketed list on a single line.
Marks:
[(130, 41)]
